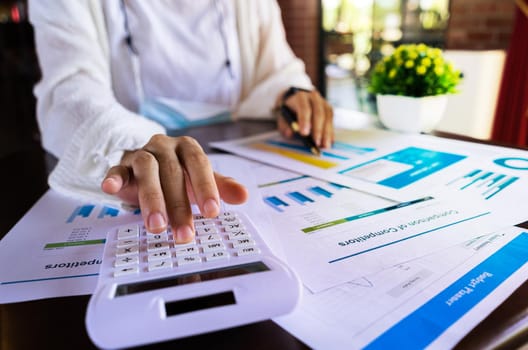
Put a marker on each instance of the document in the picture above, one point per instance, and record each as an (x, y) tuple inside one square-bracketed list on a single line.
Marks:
[(55, 249), (429, 302), (332, 234), (400, 167)]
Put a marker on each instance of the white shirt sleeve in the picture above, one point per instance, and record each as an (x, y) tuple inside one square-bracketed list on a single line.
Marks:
[(268, 64), (80, 120)]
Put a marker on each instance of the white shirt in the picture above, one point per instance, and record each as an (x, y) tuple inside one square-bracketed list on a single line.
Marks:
[(186, 50), (81, 112)]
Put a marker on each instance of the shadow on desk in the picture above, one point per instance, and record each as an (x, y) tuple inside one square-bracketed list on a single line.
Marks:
[(59, 324), (24, 181)]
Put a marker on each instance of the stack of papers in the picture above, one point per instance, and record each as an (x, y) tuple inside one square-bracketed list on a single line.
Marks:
[(398, 239)]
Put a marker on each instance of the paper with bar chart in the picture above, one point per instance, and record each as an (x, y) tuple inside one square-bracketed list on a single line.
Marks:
[(332, 234), (396, 166), (55, 250)]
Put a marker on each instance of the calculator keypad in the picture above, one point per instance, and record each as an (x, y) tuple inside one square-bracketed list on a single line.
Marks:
[(217, 239)]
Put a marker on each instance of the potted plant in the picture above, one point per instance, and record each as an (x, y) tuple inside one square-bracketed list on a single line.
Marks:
[(411, 87)]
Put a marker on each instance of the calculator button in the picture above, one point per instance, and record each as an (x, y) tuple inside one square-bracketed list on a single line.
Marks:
[(128, 231), (127, 260), (186, 251), (127, 242), (201, 223), (158, 255), (189, 260), (129, 270), (233, 227), (206, 230), (160, 237), (248, 251), (229, 220), (243, 242), (210, 238), (132, 250), (157, 246), (220, 255), (213, 247), (238, 234), (158, 265), (227, 214)]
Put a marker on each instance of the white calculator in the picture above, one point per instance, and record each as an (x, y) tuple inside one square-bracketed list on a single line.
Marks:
[(151, 290)]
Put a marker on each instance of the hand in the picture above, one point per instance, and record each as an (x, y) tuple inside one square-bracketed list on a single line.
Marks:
[(164, 177), (314, 116)]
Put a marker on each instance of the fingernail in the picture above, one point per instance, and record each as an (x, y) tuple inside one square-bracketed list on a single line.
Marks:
[(112, 181), (156, 222), (183, 234), (211, 207)]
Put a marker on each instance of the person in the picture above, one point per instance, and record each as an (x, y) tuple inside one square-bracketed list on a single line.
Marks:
[(100, 60)]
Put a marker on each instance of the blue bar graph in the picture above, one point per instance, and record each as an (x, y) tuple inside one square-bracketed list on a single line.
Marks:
[(276, 203), (299, 197), (479, 178), (337, 186), (83, 211), (320, 191), (107, 211), (487, 182), (351, 148)]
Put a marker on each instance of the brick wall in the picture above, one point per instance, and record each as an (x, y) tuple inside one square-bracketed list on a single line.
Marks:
[(301, 21), (480, 24)]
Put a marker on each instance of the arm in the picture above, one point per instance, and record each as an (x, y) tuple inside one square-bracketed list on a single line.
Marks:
[(269, 68), (99, 143), (80, 121)]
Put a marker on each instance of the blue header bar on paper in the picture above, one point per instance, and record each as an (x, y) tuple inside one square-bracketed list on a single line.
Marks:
[(423, 326)]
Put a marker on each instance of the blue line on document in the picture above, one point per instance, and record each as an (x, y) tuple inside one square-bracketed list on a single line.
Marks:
[(49, 279), (406, 238)]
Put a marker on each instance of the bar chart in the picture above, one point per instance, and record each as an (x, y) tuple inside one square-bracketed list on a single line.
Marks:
[(483, 182), (97, 211), (298, 191)]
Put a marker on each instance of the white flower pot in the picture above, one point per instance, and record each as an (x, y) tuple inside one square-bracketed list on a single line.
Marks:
[(411, 114)]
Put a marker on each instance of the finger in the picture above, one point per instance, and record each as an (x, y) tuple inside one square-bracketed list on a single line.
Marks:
[(318, 117), (200, 175), (116, 178), (328, 136), (284, 128), (150, 195), (173, 182), (231, 191), (120, 182), (300, 104)]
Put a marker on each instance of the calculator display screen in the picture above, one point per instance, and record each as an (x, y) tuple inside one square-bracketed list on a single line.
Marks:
[(208, 275)]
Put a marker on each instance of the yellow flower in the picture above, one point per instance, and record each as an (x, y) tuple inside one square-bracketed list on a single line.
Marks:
[(420, 70), (426, 62), (414, 70)]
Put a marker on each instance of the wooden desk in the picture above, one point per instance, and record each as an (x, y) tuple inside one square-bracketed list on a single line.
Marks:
[(59, 323)]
